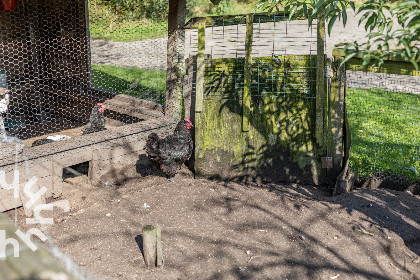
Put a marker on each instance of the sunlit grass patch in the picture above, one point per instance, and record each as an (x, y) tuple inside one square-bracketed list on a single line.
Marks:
[(142, 83), (385, 128)]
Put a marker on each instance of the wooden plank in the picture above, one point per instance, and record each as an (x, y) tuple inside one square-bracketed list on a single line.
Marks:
[(321, 96), (246, 100), (200, 68)]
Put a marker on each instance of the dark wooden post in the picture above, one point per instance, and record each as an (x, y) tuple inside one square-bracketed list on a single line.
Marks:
[(246, 100), (175, 58), (321, 95)]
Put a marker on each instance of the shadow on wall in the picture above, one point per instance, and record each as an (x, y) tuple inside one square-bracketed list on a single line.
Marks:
[(280, 144)]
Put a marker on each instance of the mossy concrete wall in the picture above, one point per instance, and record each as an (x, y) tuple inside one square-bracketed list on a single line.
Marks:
[(280, 142)]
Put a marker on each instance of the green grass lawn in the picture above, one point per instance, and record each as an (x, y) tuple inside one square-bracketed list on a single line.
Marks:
[(128, 31), (145, 84), (385, 129)]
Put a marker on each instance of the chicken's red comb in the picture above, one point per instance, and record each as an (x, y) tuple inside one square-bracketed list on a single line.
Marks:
[(187, 120), (100, 104)]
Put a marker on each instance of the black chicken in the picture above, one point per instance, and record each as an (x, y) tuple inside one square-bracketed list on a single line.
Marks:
[(97, 121), (170, 153)]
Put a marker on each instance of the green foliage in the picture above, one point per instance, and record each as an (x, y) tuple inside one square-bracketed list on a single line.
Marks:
[(128, 31), (378, 22), (132, 20), (146, 84), (134, 9)]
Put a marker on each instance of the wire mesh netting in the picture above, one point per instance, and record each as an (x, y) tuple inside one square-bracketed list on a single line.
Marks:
[(55, 73), (283, 53), (280, 142), (384, 118), (128, 58)]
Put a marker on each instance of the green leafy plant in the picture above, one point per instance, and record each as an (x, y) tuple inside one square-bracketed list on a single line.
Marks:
[(379, 16)]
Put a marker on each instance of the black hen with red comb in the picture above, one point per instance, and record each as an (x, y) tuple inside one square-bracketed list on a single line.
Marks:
[(170, 153), (97, 121)]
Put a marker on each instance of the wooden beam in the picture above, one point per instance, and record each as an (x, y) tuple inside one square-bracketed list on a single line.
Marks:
[(246, 100)]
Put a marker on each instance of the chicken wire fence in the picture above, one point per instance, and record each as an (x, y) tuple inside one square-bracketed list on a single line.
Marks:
[(384, 118), (280, 81), (56, 73)]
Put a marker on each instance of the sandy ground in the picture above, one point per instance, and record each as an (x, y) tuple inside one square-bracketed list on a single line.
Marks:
[(237, 230)]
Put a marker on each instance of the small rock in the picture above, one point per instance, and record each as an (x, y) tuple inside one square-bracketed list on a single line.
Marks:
[(82, 264), (145, 205), (302, 237), (248, 252), (108, 183), (370, 205)]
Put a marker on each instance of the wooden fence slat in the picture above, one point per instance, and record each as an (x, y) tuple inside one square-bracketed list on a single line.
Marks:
[(246, 101), (200, 67)]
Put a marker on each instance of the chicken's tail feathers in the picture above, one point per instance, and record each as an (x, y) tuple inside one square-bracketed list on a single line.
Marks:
[(152, 144)]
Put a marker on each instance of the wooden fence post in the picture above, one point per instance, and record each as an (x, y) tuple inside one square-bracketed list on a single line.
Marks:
[(199, 88), (321, 96), (159, 256), (335, 134), (246, 99), (149, 245), (175, 59)]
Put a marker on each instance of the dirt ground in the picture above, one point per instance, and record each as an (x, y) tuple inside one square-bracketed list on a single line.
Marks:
[(237, 230)]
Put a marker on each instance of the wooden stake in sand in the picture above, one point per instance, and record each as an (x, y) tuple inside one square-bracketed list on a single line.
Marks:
[(152, 246), (149, 245), (159, 257)]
